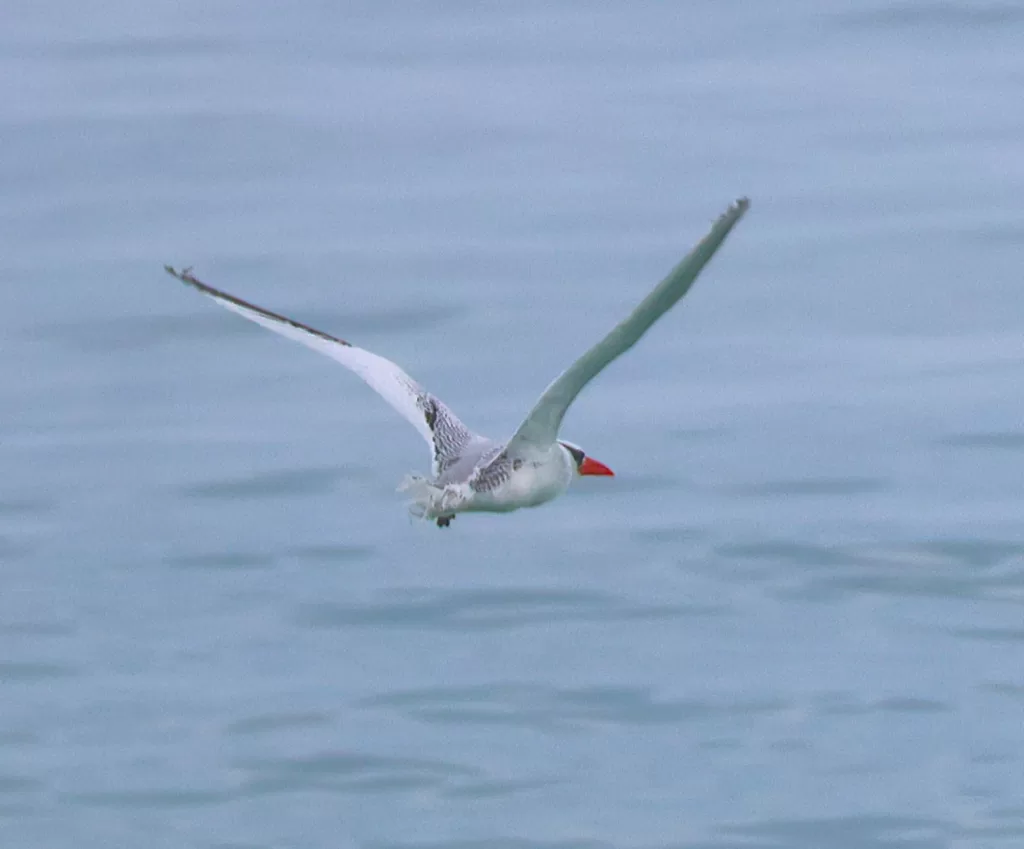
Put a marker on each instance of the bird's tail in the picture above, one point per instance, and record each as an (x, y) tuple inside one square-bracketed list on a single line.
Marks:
[(421, 495), (427, 501)]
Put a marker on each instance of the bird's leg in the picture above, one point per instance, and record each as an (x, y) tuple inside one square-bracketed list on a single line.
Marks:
[(444, 521)]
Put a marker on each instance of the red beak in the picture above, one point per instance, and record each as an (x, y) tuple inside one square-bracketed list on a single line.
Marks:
[(590, 466)]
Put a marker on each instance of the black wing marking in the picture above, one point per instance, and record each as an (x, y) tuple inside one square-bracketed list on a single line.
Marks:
[(494, 471), (438, 425), (449, 435)]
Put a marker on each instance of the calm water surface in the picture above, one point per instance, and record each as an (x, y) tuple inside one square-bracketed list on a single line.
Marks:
[(794, 618)]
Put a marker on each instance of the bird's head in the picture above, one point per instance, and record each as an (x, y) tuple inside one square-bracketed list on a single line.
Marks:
[(585, 465)]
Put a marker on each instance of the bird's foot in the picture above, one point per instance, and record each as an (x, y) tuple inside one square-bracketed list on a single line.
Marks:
[(444, 521)]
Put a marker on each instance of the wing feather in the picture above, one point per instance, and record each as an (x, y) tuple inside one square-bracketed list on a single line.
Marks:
[(541, 426), (438, 425)]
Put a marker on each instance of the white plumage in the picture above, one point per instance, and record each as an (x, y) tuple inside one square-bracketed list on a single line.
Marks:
[(470, 472)]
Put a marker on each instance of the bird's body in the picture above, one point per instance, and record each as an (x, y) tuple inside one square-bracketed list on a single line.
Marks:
[(472, 473), (488, 481)]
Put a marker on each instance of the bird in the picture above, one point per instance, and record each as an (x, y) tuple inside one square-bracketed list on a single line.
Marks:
[(470, 472)]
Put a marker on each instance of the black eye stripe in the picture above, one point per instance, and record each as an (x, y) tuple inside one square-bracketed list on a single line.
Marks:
[(577, 455)]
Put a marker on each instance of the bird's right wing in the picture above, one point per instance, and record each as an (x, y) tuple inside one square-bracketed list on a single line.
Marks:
[(441, 428), (540, 429)]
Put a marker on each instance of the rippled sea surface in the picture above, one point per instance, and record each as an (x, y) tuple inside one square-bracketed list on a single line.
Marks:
[(796, 616)]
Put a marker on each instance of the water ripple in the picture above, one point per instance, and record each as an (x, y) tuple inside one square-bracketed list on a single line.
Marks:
[(996, 635), (26, 507), (18, 738), (37, 629), (499, 843), (789, 551), (547, 708), (30, 671), (941, 568), (11, 551), (466, 610), (158, 799), (853, 832), (491, 789), (222, 560), (311, 481), (1004, 440), (955, 16), (271, 722), (350, 772), (847, 704), (1006, 688), (814, 487), (333, 553), (19, 784), (135, 49)]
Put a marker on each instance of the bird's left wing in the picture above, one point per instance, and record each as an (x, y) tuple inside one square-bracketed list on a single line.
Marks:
[(438, 425), (540, 429)]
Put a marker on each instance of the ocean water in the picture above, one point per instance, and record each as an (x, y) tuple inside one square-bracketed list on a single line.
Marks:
[(795, 619)]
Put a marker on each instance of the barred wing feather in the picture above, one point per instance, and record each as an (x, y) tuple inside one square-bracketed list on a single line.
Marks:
[(438, 425)]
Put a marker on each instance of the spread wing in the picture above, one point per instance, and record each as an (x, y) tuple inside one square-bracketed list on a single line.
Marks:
[(442, 429), (542, 424)]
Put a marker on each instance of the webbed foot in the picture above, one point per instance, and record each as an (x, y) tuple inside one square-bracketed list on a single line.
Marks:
[(444, 521)]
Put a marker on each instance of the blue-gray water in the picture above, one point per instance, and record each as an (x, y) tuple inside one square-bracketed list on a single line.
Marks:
[(794, 619)]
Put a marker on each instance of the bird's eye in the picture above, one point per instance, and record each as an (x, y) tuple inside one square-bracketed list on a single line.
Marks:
[(577, 454)]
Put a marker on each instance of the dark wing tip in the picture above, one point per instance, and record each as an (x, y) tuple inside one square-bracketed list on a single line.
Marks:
[(186, 276), (737, 209), (740, 205)]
